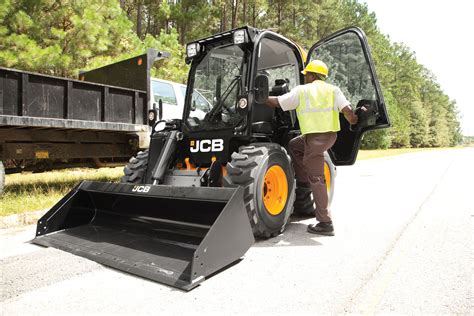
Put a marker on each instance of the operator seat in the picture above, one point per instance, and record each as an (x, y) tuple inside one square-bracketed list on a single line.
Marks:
[(262, 119)]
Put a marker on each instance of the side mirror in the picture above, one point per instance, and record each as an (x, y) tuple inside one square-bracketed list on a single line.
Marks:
[(217, 98), (160, 110), (261, 88)]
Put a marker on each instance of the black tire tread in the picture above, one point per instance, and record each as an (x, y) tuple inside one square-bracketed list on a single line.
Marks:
[(242, 170), (134, 171)]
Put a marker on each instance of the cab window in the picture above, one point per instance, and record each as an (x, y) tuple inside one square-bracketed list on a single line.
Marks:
[(278, 61), (201, 103)]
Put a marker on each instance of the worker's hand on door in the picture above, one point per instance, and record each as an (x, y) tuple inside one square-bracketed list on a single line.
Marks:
[(349, 115)]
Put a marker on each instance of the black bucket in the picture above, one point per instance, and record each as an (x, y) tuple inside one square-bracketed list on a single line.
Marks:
[(173, 235)]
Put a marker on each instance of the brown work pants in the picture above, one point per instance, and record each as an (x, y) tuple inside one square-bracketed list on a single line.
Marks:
[(307, 153)]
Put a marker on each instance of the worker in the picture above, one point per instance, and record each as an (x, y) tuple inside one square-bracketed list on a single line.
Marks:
[(317, 105)]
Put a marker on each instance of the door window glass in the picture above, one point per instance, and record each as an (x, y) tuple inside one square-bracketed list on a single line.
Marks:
[(348, 67), (351, 69)]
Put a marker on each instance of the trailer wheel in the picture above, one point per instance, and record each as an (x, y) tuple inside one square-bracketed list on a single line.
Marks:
[(304, 203), (2, 177), (134, 171), (266, 172)]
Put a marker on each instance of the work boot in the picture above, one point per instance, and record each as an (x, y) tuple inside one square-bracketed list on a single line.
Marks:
[(321, 229)]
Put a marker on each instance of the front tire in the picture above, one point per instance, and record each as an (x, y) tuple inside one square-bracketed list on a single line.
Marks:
[(135, 170), (266, 173)]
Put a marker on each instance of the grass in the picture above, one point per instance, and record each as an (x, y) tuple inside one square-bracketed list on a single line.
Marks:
[(38, 191), (380, 153)]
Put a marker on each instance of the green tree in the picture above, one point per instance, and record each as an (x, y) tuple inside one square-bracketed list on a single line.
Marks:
[(454, 125), (61, 37)]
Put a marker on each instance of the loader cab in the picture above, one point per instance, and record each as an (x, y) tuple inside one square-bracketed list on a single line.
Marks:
[(223, 70)]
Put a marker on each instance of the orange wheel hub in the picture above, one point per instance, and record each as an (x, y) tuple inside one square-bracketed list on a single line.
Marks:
[(275, 190)]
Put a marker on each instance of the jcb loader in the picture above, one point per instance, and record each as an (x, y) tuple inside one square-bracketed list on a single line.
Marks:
[(221, 176)]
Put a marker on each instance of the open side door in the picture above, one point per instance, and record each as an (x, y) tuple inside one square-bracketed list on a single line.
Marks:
[(351, 68)]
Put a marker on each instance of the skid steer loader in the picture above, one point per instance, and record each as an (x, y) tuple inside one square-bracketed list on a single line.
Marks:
[(194, 202)]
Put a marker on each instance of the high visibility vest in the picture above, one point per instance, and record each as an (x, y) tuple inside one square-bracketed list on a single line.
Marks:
[(317, 112)]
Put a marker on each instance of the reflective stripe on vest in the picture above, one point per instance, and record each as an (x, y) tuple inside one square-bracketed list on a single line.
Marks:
[(317, 112)]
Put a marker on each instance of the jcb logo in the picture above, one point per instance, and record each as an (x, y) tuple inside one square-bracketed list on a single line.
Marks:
[(207, 145), (141, 188)]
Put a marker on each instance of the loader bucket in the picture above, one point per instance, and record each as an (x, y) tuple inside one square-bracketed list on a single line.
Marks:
[(173, 235)]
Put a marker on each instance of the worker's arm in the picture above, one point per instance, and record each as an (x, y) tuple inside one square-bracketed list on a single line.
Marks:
[(272, 102), (288, 101), (349, 115)]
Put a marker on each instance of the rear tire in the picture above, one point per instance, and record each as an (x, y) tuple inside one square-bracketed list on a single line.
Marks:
[(2, 177), (135, 170), (304, 203), (266, 173)]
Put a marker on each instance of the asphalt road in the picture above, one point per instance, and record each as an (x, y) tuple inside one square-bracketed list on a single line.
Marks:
[(403, 244)]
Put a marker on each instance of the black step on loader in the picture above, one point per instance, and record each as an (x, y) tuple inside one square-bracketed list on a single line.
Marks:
[(211, 182)]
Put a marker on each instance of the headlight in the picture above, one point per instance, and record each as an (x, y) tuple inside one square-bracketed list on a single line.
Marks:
[(151, 115), (192, 50), (240, 37), (243, 103)]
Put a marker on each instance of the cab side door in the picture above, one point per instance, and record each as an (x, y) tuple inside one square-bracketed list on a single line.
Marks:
[(351, 68)]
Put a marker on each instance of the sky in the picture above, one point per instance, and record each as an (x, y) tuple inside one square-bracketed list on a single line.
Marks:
[(441, 33)]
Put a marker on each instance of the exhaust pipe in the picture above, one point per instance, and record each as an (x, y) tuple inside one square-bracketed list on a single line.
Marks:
[(173, 235)]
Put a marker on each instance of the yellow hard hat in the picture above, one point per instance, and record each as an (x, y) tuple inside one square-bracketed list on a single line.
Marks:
[(316, 66)]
